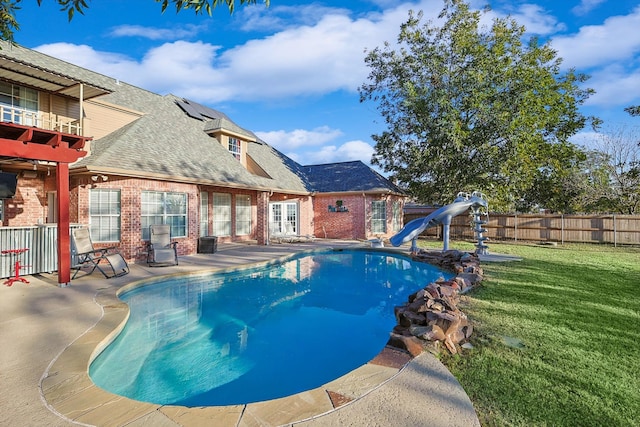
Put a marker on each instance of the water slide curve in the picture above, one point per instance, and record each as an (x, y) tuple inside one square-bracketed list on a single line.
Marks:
[(443, 215)]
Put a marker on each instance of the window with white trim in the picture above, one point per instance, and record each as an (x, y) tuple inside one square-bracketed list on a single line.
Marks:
[(221, 214), (19, 104), (164, 208), (397, 216), (104, 215), (204, 213), (378, 216), (243, 215), (235, 147)]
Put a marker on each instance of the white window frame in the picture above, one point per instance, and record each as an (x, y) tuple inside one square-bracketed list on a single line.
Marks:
[(164, 207), (397, 216), (243, 215), (104, 214), (204, 213), (283, 218), (378, 216), (19, 104), (235, 147), (221, 214)]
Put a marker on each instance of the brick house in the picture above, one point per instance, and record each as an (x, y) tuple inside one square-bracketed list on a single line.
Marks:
[(164, 159)]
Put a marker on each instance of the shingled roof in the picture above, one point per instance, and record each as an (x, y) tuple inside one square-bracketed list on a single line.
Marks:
[(352, 176), (165, 143)]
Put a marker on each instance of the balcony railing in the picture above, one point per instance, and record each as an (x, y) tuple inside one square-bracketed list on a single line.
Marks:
[(39, 120)]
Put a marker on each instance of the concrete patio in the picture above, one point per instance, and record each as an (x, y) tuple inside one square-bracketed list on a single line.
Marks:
[(47, 335)]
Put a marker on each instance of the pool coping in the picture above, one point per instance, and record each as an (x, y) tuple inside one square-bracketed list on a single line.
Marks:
[(68, 391)]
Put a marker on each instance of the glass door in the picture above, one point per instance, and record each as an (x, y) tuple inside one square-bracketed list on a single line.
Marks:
[(283, 218)]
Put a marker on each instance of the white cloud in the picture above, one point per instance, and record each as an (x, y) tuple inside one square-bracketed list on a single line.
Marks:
[(616, 39), (614, 85), (182, 68), (314, 146), (259, 18), (151, 33), (110, 64), (586, 6), (585, 139), (351, 150), (318, 58), (533, 17), (299, 138)]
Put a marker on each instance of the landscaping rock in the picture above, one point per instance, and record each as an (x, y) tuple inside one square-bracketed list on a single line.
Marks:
[(431, 314), (411, 344)]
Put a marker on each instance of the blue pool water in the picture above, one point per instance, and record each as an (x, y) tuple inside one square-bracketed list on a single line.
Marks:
[(257, 334)]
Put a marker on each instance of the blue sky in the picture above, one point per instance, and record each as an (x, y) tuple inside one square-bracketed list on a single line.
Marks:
[(290, 72)]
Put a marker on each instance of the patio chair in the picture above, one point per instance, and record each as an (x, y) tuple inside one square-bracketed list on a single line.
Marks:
[(288, 235), (161, 251), (106, 260)]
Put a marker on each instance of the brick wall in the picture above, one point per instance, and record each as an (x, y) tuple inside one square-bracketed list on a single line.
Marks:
[(355, 223), (131, 244), (349, 224), (28, 206)]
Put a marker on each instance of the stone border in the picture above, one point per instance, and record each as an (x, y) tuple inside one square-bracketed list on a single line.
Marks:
[(431, 317)]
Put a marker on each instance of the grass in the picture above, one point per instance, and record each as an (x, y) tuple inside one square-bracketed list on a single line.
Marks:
[(556, 337)]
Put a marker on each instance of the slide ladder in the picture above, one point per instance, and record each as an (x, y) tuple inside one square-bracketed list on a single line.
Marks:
[(480, 217)]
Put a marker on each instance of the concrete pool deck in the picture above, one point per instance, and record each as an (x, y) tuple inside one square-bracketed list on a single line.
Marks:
[(48, 334)]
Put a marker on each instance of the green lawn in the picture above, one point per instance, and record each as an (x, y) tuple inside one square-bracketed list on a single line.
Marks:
[(556, 338)]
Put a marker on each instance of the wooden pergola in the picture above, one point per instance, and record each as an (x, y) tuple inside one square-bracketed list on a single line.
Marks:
[(18, 142)]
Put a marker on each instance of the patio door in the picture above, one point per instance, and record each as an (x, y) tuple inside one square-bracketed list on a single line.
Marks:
[(283, 218)]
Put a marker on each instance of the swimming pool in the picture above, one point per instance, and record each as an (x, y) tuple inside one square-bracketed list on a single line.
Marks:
[(260, 333)]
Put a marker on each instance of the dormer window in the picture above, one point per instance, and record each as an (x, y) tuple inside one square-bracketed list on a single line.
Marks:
[(235, 148)]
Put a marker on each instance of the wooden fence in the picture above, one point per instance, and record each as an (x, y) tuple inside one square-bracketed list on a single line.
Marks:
[(613, 229)]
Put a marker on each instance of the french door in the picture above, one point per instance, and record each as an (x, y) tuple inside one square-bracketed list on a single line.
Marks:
[(283, 218)]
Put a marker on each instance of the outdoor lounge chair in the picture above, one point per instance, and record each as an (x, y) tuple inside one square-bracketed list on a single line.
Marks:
[(288, 236), (161, 250), (106, 260)]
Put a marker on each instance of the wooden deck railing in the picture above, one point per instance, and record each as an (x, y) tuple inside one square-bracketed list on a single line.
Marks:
[(40, 120)]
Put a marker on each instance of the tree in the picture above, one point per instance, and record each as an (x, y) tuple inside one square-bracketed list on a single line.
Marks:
[(620, 148), (9, 24), (582, 187), (470, 108)]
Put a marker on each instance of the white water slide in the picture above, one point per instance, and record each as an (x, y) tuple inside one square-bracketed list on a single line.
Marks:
[(443, 215)]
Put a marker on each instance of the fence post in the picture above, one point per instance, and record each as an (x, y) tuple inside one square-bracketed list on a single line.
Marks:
[(515, 226), (615, 234), (562, 228)]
